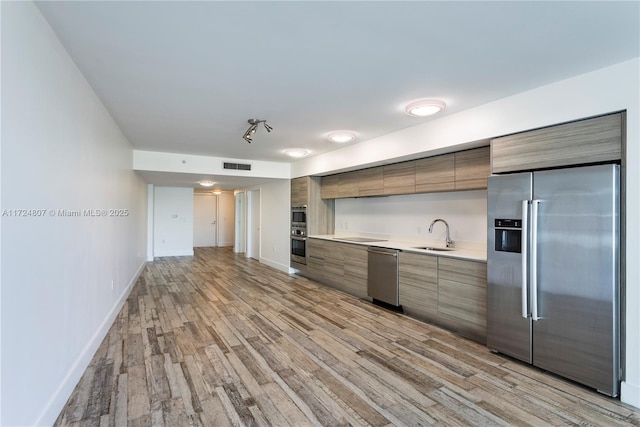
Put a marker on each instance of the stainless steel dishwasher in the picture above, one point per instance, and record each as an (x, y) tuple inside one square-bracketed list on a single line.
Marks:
[(382, 275)]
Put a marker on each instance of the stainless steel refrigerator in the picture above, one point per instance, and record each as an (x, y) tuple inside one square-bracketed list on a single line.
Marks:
[(553, 271)]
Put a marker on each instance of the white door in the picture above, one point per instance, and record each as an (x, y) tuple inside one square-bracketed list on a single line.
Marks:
[(204, 220), (253, 224)]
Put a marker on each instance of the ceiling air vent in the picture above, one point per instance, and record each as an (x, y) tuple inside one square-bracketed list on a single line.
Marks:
[(237, 166)]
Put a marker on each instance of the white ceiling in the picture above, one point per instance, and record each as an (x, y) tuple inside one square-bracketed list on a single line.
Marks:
[(184, 77)]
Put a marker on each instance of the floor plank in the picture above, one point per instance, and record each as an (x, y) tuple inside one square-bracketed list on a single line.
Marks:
[(220, 339)]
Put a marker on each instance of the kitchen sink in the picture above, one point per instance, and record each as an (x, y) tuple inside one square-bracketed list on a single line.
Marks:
[(431, 248)]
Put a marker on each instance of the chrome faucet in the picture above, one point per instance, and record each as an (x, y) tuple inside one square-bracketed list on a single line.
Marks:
[(450, 243)]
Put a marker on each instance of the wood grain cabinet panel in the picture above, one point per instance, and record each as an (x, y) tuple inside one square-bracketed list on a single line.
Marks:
[(472, 168), (334, 264), (316, 252), (300, 191), (399, 178), (592, 140), (371, 182), (418, 284), (329, 187), (347, 185), (435, 174), (355, 269), (462, 295)]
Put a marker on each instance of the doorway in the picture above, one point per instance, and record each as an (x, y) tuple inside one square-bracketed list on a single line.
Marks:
[(205, 213)]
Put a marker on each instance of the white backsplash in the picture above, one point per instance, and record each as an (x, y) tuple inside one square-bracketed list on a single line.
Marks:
[(407, 217)]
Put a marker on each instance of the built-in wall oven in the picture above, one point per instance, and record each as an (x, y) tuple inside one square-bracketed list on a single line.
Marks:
[(299, 234), (299, 249)]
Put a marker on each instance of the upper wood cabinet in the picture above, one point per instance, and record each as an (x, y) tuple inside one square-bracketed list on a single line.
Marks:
[(347, 185), (464, 170), (399, 178), (329, 187), (472, 168), (592, 140), (435, 174), (371, 182), (300, 191), (305, 191)]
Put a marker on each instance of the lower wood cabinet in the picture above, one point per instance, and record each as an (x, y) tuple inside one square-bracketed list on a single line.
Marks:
[(448, 292), (462, 296), (445, 291), (340, 265), (418, 284), (316, 252), (355, 269)]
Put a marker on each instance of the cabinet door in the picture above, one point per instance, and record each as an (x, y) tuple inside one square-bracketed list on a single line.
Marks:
[(435, 174), (371, 182), (418, 284), (300, 191), (462, 295), (585, 141), (472, 169), (399, 178), (334, 263), (316, 250), (348, 184), (355, 270), (329, 187)]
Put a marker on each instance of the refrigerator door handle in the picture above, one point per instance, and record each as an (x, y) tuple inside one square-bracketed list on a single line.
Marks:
[(534, 259), (524, 242)]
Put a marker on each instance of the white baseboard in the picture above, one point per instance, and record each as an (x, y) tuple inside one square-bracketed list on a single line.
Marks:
[(61, 395), (275, 264), (630, 394), (178, 253), (225, 244)]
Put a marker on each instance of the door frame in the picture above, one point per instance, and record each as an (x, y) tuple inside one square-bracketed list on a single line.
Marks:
[(254, 234)]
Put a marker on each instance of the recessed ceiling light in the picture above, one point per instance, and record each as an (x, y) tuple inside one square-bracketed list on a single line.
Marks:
[(207, 183), (425, 107), (341, 136), (296, 152)]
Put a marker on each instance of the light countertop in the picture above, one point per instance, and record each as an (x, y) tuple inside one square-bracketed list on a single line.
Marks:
[(471, 254)]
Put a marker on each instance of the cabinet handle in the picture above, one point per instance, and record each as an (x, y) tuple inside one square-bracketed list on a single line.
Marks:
[(525, 261)]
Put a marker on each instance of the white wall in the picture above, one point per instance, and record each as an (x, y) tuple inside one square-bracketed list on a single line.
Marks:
[(407, 217), (63, 278), (609, 89), (275, 225), (226, 216), (173, 221)]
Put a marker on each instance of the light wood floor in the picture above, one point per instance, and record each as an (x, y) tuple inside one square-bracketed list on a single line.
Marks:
[(219, 339)]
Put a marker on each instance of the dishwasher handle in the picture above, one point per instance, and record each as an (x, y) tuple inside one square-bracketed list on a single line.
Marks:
[(382, 252)]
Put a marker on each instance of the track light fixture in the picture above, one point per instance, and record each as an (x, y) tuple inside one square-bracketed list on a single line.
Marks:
[(248, 135)]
